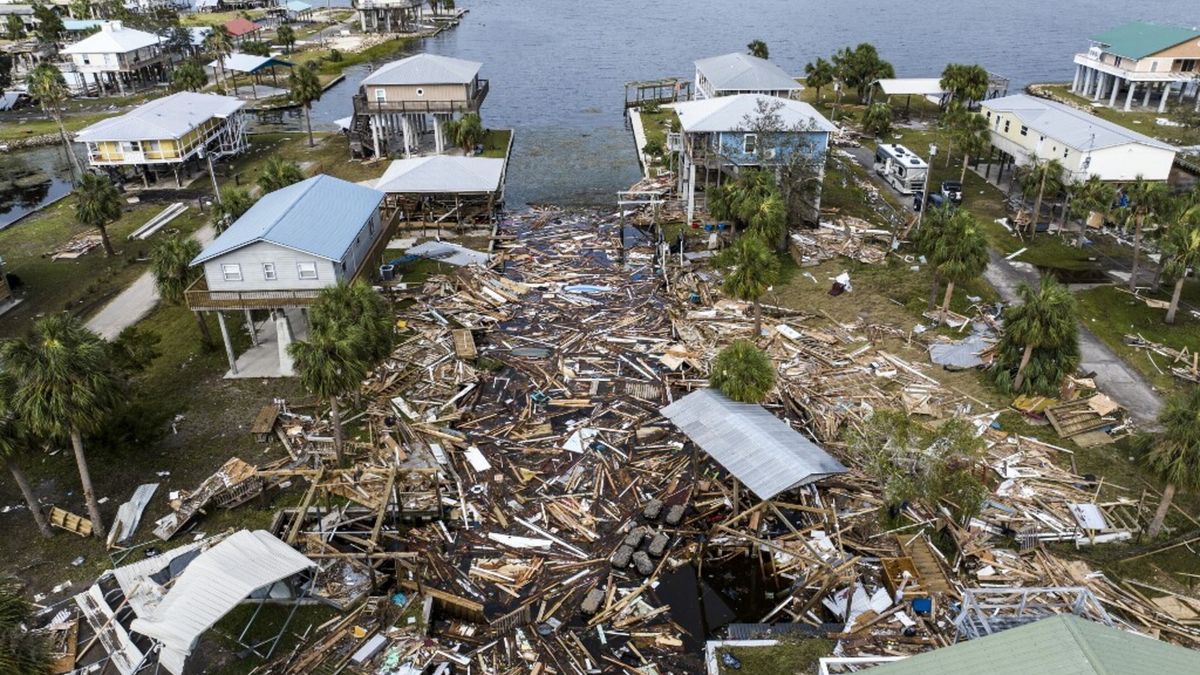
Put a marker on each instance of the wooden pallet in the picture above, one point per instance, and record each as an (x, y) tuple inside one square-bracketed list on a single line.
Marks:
[(264, 422), (464, 344), (70, 522)]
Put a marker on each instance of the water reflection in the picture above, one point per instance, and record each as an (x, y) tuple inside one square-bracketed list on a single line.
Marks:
[(31, 178)]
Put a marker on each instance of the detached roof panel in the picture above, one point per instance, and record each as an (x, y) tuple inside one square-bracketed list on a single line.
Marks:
[(759, 449), (213, 584), (917, 86), (424, 69), (742, 72), (167, 117), (320, 216), (442, 173), (1078, 129), (732, 113)]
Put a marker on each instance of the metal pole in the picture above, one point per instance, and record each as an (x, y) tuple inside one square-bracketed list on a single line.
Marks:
[(213, 175)]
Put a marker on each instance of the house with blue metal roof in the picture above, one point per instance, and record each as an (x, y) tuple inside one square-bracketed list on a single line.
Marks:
[(287, 247), (1140, 63)]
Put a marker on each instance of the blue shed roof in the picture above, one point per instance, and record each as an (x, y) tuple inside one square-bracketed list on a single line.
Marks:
[(319, 216)]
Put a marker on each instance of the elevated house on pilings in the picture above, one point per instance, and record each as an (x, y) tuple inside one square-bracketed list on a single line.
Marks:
[(1140, 63), (732, 74), (176, 134), (721, 137), (388, 16), (403, 107), (444, 190), (117, 58), (280, 254)]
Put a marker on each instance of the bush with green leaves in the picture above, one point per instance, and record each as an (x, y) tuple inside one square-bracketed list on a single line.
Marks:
[(916, 463), (742, 372)]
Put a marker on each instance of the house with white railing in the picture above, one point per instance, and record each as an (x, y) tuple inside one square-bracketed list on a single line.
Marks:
[(1140, 64)]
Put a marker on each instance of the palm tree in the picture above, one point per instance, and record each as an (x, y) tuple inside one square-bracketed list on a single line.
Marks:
[(971, 136), (64, 385), (877, 119), (1045, 319), (305, 88), (753, 269), (22, 651), (170, 263), (965, 83), (758, 49), (466, 132), (286, 37), (742, 372), (1091, 196), (358, 305), (14, 443), (46, 84), (219, 43), (329, 367), (1176, 455), (1038, 177), (961, 252), (189, 76), (1181, 251), (1145, 198), (98, 204), (278, 173), (818, 74), (233, 203)]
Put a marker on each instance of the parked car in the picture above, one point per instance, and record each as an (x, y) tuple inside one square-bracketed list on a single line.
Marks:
[(935, 200), (952, 190)]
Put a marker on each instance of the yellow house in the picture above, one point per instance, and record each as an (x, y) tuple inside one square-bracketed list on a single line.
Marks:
[(1140, 63), (178, 133)]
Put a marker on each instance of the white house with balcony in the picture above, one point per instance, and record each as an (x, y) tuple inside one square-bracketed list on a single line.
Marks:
[(118, 58), (278, 256), (1140, 63), (177, 134), (1023, 127), (738, 73)]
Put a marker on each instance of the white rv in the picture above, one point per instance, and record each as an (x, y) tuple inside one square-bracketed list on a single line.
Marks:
[(901, 168)]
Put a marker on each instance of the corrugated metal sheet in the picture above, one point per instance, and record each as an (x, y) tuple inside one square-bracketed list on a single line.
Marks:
[(1064, 644), (734, 113), (1076, 128), (442, 174), (169, 117), (425, 69), (742, 72), (319, 216), (759, 449), (214, 583)]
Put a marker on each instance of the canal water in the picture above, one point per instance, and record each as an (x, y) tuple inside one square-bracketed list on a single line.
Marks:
[(557, 67)]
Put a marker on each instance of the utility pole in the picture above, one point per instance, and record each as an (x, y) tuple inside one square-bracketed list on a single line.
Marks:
[(925, 190), (212, 174)]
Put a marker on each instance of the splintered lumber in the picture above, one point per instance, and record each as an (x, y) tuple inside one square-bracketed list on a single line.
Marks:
[(264, 422), (464, 344)]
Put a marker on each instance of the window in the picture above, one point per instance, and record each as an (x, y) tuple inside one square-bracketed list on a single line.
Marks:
[(989, 114), (1153, 66), (750, 144), (371, 226), (231, 272), (1117, 62), (306, 270), (380, 95), (1006, 126), (1024, 130), (269, 272), (1065, 153), (1187, 65)]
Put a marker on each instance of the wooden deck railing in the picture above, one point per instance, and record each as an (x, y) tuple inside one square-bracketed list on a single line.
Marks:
[(200, 298), (367, 106)]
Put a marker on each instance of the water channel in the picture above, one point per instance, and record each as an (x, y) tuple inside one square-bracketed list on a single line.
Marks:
[(557, 67)]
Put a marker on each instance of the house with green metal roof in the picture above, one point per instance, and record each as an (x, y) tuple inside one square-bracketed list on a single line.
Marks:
[(1064, 644), (1140, 63)]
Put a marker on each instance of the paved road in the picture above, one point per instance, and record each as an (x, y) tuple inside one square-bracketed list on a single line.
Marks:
[(135, 302), (1122, 383)]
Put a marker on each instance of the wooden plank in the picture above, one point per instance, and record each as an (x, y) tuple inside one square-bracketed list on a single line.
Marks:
[(70, 522), (264, 422), (464, 344)]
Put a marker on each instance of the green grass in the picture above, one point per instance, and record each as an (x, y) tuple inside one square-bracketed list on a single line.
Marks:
[(1111, 314), (495, 143), (327, 66), (789, 657), (81, 285), (20, 130), (214, 18), (1138, 119)]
